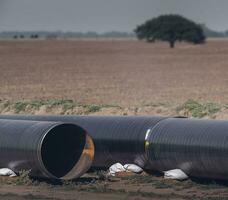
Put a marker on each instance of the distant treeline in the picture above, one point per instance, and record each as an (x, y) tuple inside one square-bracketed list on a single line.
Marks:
[(113, 34), (211, 33), (60, 34)]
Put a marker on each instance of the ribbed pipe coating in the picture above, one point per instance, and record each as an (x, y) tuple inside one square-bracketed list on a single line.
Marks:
[(198, 147), (49, 149), (116, 138)]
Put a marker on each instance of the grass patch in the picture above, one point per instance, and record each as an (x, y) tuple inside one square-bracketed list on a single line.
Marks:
[(66, 104), (93, 108), (20, 106), (23, 178), (196, 109)]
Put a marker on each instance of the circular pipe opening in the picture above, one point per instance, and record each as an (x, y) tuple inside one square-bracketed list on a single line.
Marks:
[(67, 151)]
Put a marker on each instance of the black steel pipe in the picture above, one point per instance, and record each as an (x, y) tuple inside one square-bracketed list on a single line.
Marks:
[(49, 149), (197, 147), (116, 138)]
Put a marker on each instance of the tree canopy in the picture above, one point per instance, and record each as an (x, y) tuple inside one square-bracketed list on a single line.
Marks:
[(171, 28)]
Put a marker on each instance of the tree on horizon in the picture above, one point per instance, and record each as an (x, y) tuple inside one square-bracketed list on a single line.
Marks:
[(171, 28)]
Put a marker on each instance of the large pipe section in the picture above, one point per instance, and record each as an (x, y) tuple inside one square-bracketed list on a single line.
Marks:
[(116, 138), (198, 147), (49, 149)]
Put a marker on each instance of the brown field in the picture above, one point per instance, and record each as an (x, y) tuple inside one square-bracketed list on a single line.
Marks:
[(118, 78), (115, 72)]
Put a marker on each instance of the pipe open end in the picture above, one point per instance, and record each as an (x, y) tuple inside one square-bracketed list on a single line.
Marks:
[(67, 151)]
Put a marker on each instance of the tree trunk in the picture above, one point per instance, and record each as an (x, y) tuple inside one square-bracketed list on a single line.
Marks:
[(172, 44)]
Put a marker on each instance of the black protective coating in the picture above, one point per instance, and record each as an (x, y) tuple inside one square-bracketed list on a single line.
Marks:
[(116, 138), (46, 148), (198, 147)]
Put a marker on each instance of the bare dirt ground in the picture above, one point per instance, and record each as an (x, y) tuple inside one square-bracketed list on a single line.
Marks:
[(114, 72), (95, 186), (114, 78)]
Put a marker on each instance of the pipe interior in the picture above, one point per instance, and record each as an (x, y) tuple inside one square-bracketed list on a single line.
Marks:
[(61, 148)]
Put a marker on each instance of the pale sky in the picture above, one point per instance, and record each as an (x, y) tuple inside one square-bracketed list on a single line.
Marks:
[(104, 15)]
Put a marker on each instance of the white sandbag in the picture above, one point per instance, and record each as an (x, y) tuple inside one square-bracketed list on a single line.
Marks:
[(133, 168), (7, 172), (116, 168), (176, 174)]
